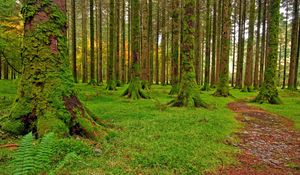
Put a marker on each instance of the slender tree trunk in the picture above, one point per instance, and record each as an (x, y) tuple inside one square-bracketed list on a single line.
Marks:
[(100, 47), (207, 49), (74, 66), (197, 42), (157, 44), (218, 40), (47, 80), (263, 45), (294, 45), (234, 44), (214, 38), (257, 53), (134, 89), (279, 63), (123, 78), (92, 41), (268, 91), (117, 43), (0, 67), (249, 61), (145, 45), (163, 43), (150, 41), (297, 59), (285, 46), (5, 71), (111, 84), (84, 40), (223, 86), (240, 60), (129, 42)]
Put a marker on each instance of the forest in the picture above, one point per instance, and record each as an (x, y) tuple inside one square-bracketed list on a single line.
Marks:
[(146, 87)]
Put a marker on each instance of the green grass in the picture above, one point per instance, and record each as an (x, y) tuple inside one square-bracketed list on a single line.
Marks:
[(148, 139)]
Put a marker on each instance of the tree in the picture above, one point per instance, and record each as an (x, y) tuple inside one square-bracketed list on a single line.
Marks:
[(100, 47), (214, 40), (84, 40), (46, 101), (257, 55), (117, 44), (175, 46), (188, 91), (73, 11), (249, 60), (111, 84), (163, 43), (123, 55), (197, 43), (223, 85), (292, 83), (150, 40), (134, 90), (145, 45), (207, 49), (268, 91), (263, 45), (157, 43), (92, 41)]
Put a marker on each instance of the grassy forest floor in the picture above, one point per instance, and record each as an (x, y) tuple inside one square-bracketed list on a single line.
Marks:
[(146, 137)]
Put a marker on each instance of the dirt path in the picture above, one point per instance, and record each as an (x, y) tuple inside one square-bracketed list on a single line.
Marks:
[(269, 144)]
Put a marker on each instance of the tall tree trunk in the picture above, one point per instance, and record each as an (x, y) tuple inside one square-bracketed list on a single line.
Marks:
[(163, 43), (84, 40), (157, 44), (234, 43), (150, 41), (263, 45), (92, 41), (294, 45), (145, 45), (257, 53), (117, 43), (111, 84), (214, 38), (240, 60), (100, 47), (47, 80), (175, 46), (268, 91), (0, 67), (249, 60), (218, 40), (134, 89), (74, 66), (207, 49), (223, 87), (197, 42), (123, 55), (129, 42), (188, 91), (5, 70), (285, 46)]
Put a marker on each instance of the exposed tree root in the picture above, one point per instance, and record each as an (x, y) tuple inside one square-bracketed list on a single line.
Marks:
[(134, 90), (174, 90), (111, 85)]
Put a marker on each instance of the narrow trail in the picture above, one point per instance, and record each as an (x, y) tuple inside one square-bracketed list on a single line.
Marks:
[(269, 144)]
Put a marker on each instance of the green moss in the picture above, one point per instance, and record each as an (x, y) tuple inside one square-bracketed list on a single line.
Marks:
[(49, 124), (14, 127)]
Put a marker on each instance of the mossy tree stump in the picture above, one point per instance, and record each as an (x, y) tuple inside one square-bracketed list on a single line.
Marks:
[(46, 101), (187, 90)]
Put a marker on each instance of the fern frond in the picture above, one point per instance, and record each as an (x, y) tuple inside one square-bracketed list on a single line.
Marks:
[(45, 152)]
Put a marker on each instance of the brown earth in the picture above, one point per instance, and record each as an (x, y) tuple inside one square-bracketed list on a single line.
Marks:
[(269, 144)]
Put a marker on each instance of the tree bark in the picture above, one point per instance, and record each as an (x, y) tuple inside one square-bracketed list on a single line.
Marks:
[(257, 53), (74, 66), (207, 49), (268, 91), (46, 100), (92, 43), (84, 40), (163, 43), (157, 44), (111, 84)]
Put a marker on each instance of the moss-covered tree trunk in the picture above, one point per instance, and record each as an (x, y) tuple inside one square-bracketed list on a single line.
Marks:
[(74, 66), (92, 44), (268, 91), (214, 37), (134, 90), (175, 47), (100, 45), (249, 60), (257, 55), (188, 92), (145, 45), (129, 42), (150, 41), (111, 84), (197, 42), (163, 42), (123, 54), (292, 84), (84, 40), (223, 85), (117, 43), (207, 47), (263, 45), (46, 101)]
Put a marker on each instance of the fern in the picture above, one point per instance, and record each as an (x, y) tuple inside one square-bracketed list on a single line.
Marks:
[(69, 159), (24, 159), (45, 152)]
